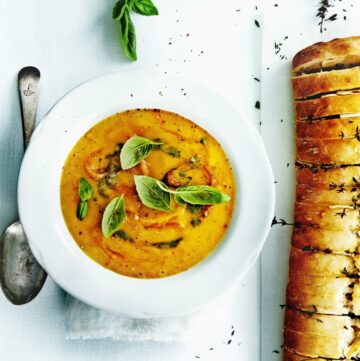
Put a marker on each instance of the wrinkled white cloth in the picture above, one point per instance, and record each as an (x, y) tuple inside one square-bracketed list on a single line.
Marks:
[(84, 322)]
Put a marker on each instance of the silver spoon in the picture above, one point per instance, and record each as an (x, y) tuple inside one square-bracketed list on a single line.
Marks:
[(21, 276)]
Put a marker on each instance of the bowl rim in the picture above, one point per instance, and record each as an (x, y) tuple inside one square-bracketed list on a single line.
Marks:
[(78, 274)]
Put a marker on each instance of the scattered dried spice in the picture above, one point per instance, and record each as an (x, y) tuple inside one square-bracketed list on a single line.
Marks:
[(257, 104), (309, 249), (341, 214), (357, 134), (280, 221), (314, 168), (348, 274), (339, 188)]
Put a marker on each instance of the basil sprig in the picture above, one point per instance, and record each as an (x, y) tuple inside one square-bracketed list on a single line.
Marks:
[(113, 216), (155, 194), (152, 193), (121, 13), (85, 192), (135, 150)]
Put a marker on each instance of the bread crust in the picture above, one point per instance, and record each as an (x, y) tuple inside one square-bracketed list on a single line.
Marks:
[(338, 128), (341, 53), (308, 85), (328, 105)]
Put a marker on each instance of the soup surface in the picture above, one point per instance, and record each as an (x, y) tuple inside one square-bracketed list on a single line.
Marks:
[(149, 243)]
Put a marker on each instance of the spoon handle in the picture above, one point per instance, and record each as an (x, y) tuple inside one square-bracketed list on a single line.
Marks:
[(28, 83)]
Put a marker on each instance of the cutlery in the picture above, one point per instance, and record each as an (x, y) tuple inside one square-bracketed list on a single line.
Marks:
[(21, 276)]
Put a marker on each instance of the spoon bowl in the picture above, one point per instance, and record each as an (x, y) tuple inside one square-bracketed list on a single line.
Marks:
[(21, 276)]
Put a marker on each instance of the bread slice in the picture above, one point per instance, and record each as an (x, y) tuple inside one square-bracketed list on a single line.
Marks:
[(321, 264), (342, 151), (332, 196), (338, 128), (309, 85), (325, 231), (338, 53), (328, 106), (332, 176), (319, 294), (327, 336)]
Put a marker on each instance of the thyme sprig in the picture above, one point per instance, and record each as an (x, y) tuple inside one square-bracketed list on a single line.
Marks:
[(323, 13)]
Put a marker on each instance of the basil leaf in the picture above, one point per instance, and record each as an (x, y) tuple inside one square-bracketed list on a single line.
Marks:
[(151, 194), (113, 216), (118, 9), (85, 189), (135, 150), (128, 35), (171, 244), (201, 195), (82, 210), (144, 7)]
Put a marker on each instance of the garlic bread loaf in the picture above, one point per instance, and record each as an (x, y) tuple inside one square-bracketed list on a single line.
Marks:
[(322, 318)]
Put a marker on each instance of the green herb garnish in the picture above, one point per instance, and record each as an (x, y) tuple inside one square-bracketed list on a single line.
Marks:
[(123, 235), (199, 195), (82, 210), (85, 192), (135, 150), (85, 189), (121, 13), (113, 216), (152, 193), (195, 222), (171, 244), (194, 161), (203, 140), (173, 152)]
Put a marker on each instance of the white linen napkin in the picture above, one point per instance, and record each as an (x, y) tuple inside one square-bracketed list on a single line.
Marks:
[(84, 322)]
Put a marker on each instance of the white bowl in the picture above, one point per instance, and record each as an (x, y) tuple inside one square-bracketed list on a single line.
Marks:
[(71, 268)]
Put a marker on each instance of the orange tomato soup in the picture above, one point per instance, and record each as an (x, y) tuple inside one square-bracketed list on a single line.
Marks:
[(150, 243)]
